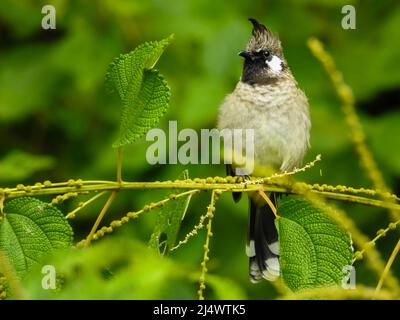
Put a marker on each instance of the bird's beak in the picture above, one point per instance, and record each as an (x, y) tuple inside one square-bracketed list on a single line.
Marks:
[(245, 54)]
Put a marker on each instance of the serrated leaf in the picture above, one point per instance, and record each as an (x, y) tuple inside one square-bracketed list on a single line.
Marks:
[(313, 249), (143, 108), (126, 70), (143, 91), (170, 218), (30, 230)]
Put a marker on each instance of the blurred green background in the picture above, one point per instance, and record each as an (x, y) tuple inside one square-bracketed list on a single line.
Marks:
[(57, 122)]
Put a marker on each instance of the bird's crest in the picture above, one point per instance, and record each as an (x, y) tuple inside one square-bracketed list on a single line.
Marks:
[(263, 38)]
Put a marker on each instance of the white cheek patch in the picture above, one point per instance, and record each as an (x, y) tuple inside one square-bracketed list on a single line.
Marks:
[(275, 64)]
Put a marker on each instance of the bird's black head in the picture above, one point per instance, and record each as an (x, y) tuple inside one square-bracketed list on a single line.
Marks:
[(264, 61)]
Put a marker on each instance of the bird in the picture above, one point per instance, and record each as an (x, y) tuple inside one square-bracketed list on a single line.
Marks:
[(268, 100)]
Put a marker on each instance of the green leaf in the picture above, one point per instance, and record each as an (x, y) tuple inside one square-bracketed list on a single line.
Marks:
[(313, 248), (143, 108), (126, 70), (170, 218), (30, 230), (143, 91)]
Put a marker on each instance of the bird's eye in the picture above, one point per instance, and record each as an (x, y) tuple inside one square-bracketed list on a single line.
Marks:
[(266, 53)]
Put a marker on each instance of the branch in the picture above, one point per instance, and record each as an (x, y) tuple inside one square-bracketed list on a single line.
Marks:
[(100, 217), (119, 165), (82, 205), (387, 267), (206, 258), (380, 234), (204, 184), (134, 215)]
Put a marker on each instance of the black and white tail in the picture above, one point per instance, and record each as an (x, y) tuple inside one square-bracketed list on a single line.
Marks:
[(262, 244)]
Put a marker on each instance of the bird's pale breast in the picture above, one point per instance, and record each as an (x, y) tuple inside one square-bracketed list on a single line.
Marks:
[(279, 115)]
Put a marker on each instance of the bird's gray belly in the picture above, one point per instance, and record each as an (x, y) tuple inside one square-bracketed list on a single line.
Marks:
[(281, 133)]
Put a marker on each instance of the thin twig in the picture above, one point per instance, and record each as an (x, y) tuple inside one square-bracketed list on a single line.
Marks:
[(100, 217), (133, 215), (387, 268), (84, 204), (191, 233), (203, 185), (210, 216), (286, 173), (119, 165), (369, 244), (269, 202)]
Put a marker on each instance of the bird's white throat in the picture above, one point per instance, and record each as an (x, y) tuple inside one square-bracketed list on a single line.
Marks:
[(275, 64)]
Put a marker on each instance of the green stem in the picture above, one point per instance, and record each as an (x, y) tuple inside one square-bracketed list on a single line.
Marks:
[(100, 217), (387, 267), (119, 165), (269, 202), (62, 188), (206, 258), (392, 226), (72, 213), (357, 199), (135, 214)]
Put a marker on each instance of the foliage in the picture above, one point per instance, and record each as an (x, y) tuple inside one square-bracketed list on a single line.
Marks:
[(169, 221), (313, 250), (52, 102), (143, 91), (31, 229)]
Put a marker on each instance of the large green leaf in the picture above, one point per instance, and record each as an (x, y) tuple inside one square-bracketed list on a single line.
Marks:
[(313, 249), (143, 91), (143, 108), (30, 230), (170, 218)]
